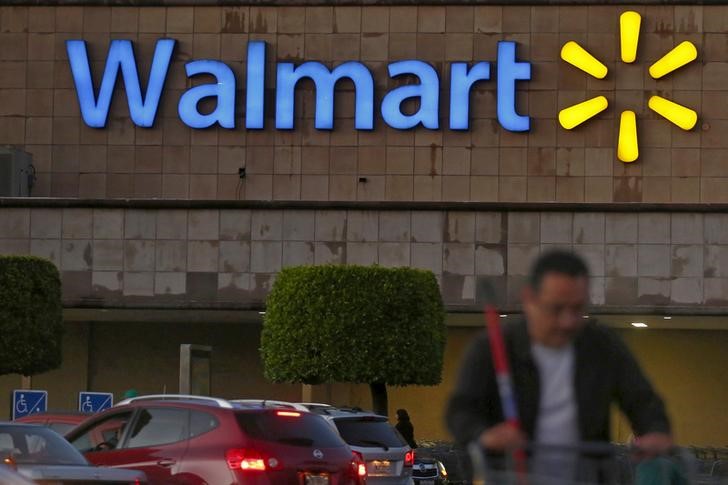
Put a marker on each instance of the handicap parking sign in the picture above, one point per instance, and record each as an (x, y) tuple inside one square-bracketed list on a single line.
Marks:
[(94, 402), (27, 402)]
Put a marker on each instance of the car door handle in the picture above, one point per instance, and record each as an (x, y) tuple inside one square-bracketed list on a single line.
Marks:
[(166, 462)]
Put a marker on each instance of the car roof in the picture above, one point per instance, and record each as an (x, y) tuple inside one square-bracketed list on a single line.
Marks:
[(5, 424), (347, 413), (268, 403), (325, 410), (203, 403), (178, 398)]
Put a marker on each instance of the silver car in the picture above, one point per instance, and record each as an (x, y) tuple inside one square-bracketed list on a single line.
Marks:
[(40, 454), (388, 458)]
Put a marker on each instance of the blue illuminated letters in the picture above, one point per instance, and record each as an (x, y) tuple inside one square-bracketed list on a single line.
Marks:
[(428, 90), (142, 109), (510, 71), (461, 80), (255, 97), (411, 104), (223, 90), (288, 76)]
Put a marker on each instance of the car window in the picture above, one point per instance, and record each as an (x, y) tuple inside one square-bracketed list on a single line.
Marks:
[(61, 428), (201, 423), (369, 432), (102, 435), (295, 429), (36, 445), (158, 426)]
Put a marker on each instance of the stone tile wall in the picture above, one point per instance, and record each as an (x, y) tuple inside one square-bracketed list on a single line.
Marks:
[(229, 258), (39, 111)]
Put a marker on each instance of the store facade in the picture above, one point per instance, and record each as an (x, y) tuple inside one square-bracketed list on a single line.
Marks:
[(170, 199)]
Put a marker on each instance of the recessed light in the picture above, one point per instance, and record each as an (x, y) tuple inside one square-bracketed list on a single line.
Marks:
[(667, 318), (639, 324)]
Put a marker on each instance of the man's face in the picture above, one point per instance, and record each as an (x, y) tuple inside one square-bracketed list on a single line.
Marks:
[(555, 311)]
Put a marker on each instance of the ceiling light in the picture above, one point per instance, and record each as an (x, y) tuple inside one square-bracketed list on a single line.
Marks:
[(503, 315), (667, 318), (639, 324), (261, 313), (585, 316)]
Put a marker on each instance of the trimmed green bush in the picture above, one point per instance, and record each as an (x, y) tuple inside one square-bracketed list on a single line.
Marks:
[(360, 324), (31, 322)]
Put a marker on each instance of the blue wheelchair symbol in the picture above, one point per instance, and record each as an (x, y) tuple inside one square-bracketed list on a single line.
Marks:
[(94, 402), (27, 402)]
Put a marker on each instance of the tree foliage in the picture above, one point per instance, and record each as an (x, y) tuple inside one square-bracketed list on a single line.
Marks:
[(31, 323), (360, 324)]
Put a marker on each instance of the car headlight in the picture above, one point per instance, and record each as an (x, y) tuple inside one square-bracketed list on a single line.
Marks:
[(443, 471)]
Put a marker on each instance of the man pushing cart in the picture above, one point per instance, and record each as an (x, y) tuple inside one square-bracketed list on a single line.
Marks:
[(536, 398)]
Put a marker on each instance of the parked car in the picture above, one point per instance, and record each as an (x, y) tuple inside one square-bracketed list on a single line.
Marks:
[(389, 460), (194, 439), (61, 422), (42, 455), (8, 476), (429, 471)]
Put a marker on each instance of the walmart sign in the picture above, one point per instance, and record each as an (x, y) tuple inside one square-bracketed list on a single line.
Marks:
[(144, 103)]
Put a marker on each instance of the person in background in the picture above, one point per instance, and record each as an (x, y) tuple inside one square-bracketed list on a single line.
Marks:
[(405, 428), (566, 371)]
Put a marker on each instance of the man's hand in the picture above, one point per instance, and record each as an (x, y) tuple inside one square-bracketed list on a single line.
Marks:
[(502, 437), (653, 444)]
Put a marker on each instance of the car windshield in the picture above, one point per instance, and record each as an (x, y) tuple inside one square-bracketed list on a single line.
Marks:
[(369, 432), (289, 428), (36, 445), (61, 428)]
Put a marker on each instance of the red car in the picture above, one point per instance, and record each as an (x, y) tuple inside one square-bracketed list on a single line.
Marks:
[(194, 440), (60, 422)]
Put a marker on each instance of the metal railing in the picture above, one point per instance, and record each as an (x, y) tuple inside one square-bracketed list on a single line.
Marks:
[(594, 464)]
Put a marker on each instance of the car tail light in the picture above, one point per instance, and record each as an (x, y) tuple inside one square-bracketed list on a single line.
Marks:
[(9, 461), (250, 460), (409, 458), (359, 466), (288, 414)]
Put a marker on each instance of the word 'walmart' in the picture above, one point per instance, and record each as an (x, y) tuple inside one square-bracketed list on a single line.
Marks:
[(143, 107)]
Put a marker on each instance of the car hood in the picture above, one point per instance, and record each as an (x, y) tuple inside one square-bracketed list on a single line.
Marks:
[(85, 473)]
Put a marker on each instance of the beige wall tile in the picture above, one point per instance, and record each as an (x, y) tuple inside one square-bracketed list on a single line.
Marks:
[(456, 187), (431, 19), (319, 19), (488, 19), (375, 19), (403, 19), (347, 19)]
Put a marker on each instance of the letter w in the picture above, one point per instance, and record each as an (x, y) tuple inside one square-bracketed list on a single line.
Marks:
[(143, 109)]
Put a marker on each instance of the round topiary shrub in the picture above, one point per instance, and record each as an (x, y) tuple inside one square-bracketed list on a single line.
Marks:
[(359, 324), (31, 322)]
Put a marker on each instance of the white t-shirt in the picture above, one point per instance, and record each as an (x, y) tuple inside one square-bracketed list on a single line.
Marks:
[(557, 421)]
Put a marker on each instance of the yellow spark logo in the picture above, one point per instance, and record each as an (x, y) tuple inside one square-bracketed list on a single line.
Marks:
[(629, 28)]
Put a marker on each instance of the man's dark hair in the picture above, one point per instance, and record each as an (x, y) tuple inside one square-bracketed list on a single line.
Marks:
[(557, 261)]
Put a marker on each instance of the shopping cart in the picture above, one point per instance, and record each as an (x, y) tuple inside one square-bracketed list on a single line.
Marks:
[(590, 464)]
